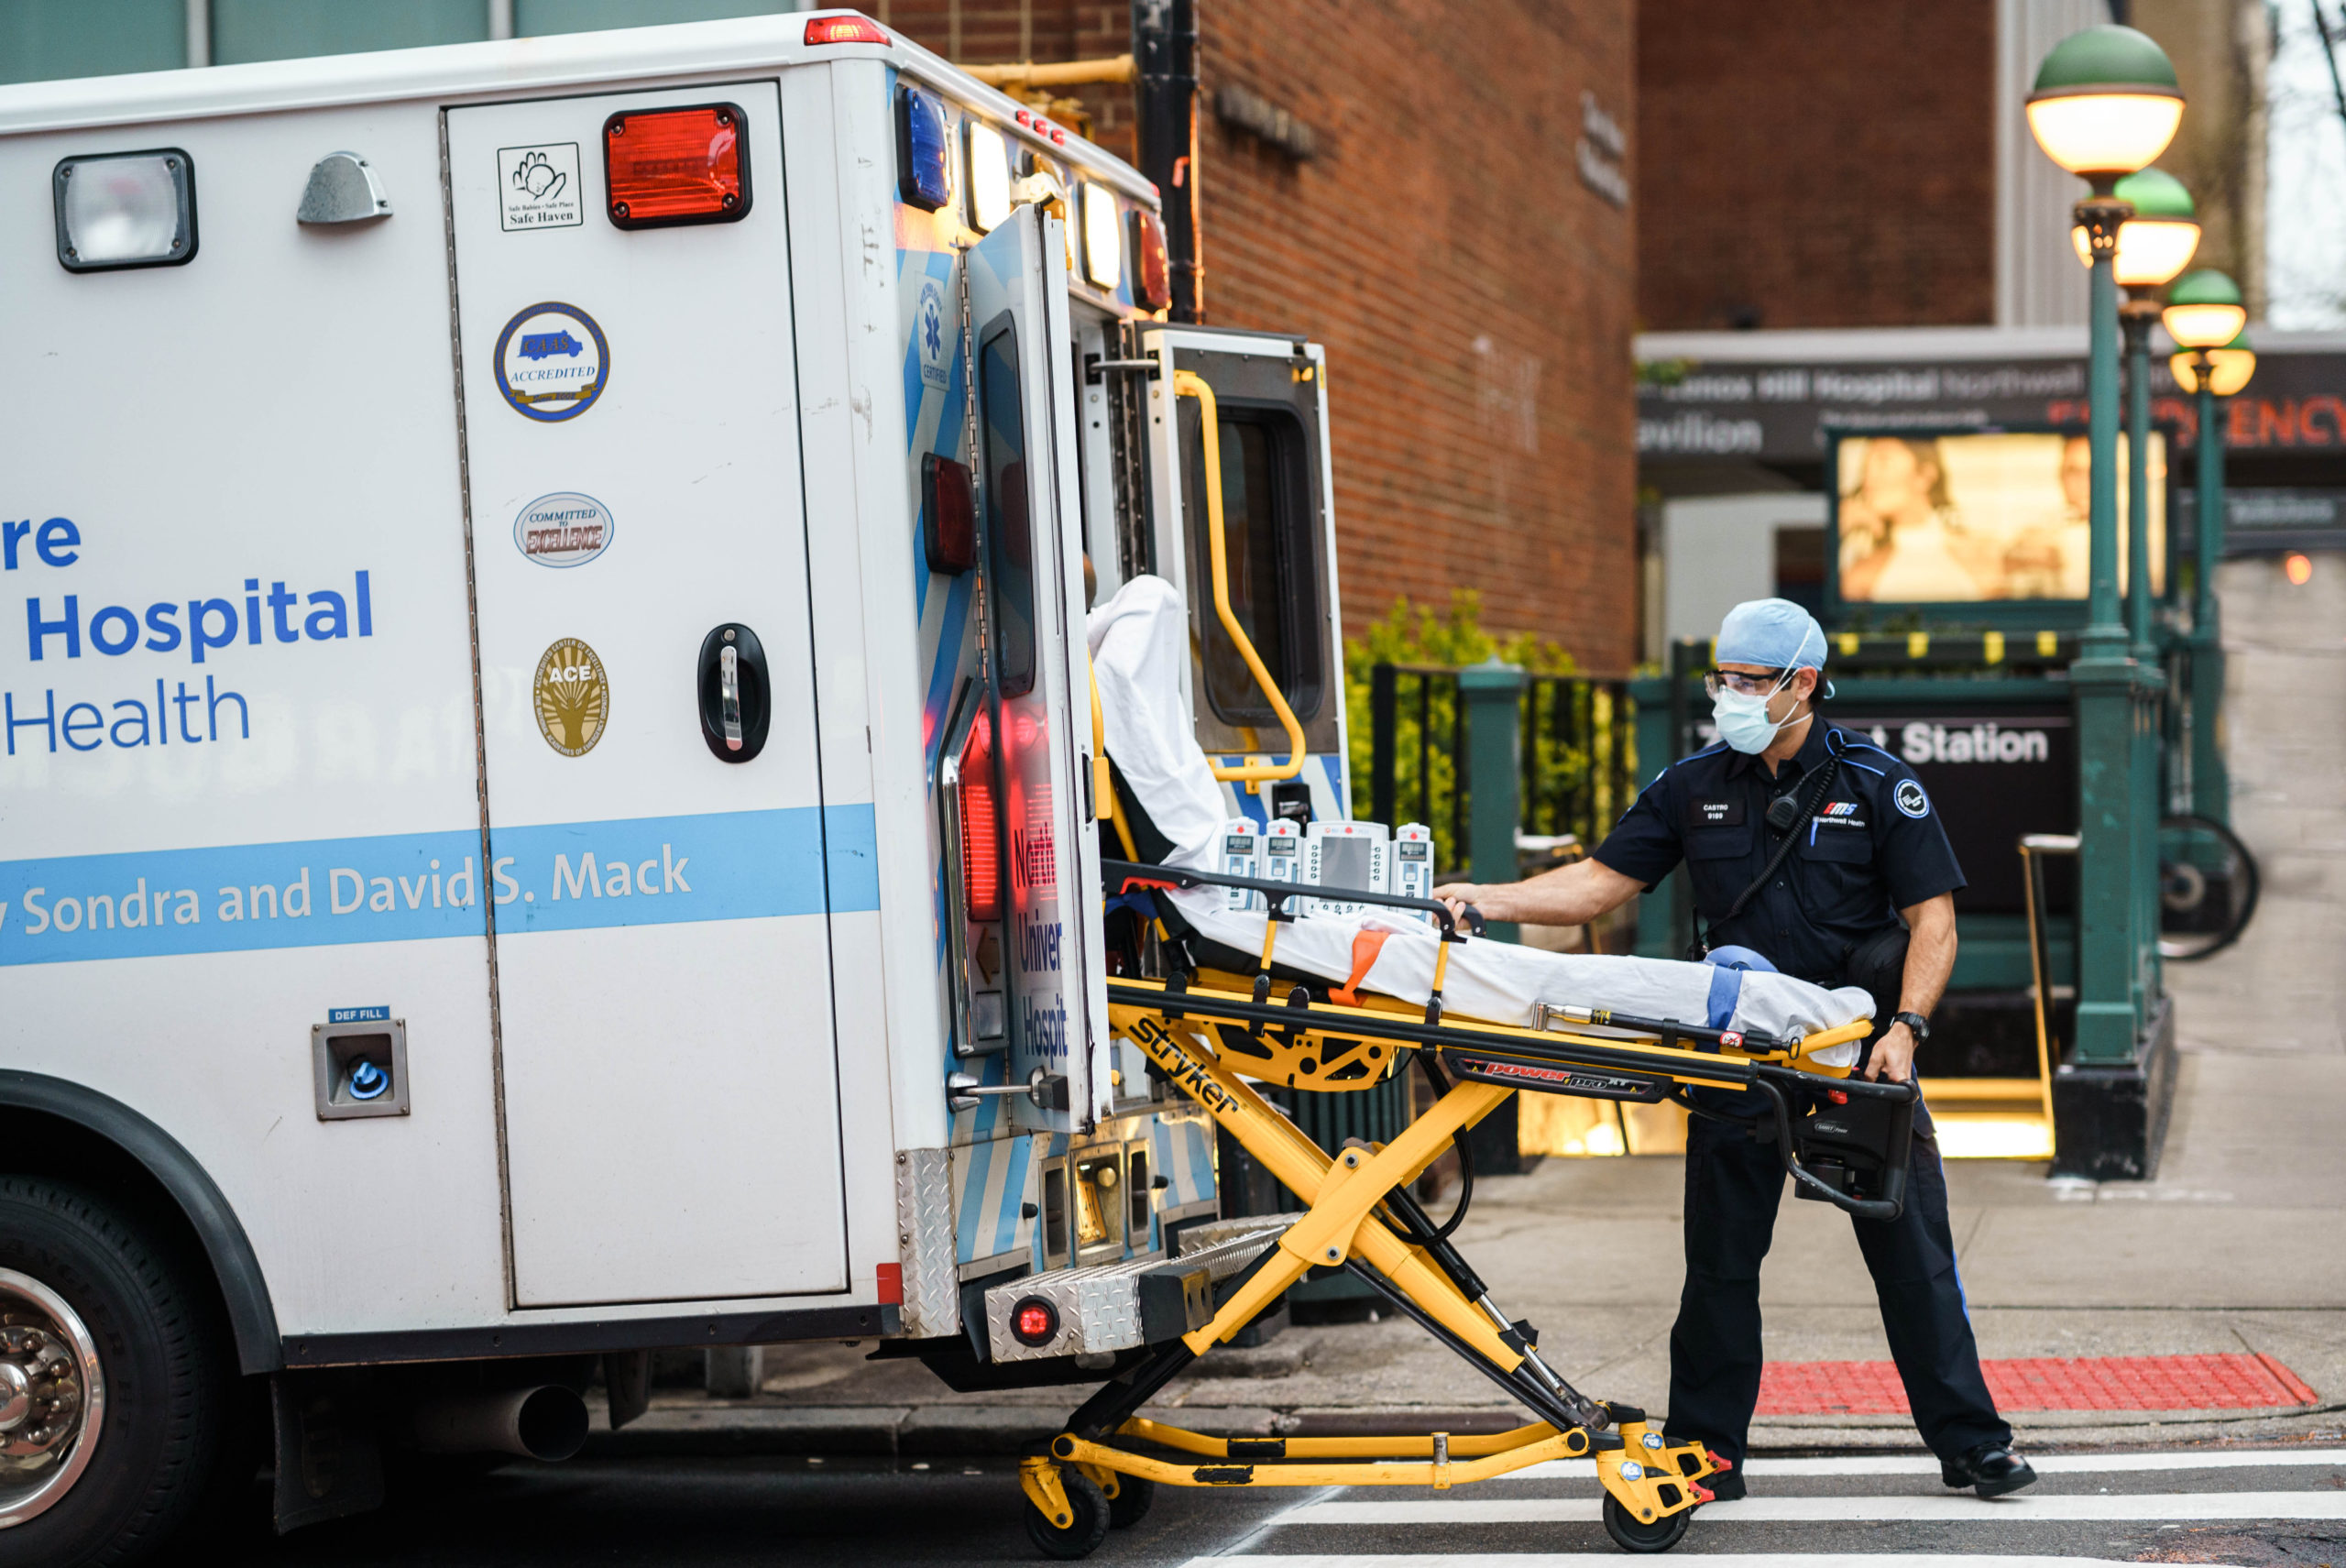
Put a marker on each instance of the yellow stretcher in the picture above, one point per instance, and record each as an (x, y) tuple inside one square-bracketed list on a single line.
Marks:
[(1216, 1034)]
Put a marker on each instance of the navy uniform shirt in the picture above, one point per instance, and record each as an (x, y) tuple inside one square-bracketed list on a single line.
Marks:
[(1872, 847)]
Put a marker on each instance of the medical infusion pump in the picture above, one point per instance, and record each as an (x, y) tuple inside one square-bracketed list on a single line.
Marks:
[(1365, 856)]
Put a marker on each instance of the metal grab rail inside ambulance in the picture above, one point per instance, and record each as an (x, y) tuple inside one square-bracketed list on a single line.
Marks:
[(1189, 384)]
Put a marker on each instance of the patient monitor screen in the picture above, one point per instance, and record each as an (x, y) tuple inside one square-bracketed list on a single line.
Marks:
[(1344, 863)]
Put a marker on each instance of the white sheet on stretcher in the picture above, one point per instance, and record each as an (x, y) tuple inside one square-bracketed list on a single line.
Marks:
[(1140, 640)]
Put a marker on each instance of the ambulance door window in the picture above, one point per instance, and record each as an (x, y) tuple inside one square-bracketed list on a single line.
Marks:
[(1010, 541), (1270, 545)]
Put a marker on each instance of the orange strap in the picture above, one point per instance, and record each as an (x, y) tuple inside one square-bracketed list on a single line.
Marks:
[(1366, 945)]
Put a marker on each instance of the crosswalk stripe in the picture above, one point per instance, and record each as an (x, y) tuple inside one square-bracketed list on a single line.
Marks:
[(1927, 1465), (1962, 1509), (1613, 1560)]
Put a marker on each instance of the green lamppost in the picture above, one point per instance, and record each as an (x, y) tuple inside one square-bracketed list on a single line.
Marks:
[(2204, 314), (2154, 244), (2105, 103)]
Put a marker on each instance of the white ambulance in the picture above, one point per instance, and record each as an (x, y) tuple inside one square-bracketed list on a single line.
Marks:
[(547, 807)]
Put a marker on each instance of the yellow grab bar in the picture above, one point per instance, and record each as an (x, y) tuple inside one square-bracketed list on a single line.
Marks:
[(1103, 794), (1189, 384)]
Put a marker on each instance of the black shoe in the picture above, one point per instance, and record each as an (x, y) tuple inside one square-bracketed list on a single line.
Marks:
[(1990, 1470)]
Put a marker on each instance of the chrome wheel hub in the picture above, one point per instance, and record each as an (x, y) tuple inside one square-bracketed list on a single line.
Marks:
[(52, 1397)]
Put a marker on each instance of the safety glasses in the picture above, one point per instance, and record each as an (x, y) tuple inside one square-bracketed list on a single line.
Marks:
[(1717, 681)]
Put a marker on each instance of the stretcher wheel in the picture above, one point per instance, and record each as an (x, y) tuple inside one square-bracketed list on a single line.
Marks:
[(1632, 1533), (1083, 1534), (1130, 1505)]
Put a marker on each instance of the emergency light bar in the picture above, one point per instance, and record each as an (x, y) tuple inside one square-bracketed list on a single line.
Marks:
[(989, 177), (1152, 268), (844, 30), (665, 166), (1104, 245), (125, 209), (924, 151)]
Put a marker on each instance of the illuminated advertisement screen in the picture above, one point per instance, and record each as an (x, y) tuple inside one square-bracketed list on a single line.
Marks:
[(1975, 518)]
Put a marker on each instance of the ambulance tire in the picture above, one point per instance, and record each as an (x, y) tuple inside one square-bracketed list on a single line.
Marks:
[(1632, 1533), (164, 1460), (1081, 1535), (1131, 1503)]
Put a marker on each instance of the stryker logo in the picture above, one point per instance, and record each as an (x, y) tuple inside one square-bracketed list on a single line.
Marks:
[(1920, 742), (1186, 1074)]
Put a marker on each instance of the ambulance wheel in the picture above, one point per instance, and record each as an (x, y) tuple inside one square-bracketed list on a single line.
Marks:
[(1130, 1505), (1632, 1533), (1087, 1526), (120, 1401)]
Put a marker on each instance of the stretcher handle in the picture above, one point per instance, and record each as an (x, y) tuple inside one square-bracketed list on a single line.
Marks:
[(1125, 875), (1189, 384), (1891, 1204)]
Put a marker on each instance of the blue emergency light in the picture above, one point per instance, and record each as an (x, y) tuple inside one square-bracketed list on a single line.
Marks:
[(924, 151)]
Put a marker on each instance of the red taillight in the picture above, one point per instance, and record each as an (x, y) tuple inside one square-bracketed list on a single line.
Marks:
[(981, 825), (1152, 271), (1034, 1320), (675, 166), (949, 514), (844, 30)]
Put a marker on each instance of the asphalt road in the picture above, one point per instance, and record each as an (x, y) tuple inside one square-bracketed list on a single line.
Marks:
[(2270, 1508)]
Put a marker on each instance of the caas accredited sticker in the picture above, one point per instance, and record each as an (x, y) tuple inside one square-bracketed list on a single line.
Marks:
[(565, 529), (552, 361), (571, 696)]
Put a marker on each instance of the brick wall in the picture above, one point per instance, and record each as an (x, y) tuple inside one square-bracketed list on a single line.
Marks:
[(1473, 294), (1816, 163)]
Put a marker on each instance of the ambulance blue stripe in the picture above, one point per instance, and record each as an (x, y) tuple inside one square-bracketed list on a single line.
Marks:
[(405, 887), (1013, 1194), (949, 662), (972, 1200)]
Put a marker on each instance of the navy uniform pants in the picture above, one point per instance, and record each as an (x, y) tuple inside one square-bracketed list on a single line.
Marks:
[(1733, 1185)]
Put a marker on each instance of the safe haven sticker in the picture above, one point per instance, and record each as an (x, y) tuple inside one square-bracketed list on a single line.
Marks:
[(565, 529), (572, 697), (539, 186), (552, 361)]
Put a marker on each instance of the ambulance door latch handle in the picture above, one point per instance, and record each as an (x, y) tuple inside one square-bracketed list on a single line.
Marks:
[(729, 687), (736, 695)]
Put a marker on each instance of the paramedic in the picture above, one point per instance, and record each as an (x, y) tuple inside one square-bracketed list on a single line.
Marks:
[(1863, 897)]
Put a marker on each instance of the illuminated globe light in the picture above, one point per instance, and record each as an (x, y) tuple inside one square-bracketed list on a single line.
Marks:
[(2300, 568), (2156, 243), (2105, 103), (2230, 368), (2203, 310)]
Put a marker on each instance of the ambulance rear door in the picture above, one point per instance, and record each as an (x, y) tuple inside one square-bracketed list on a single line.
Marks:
[(1279, 541), (1038, 667), (664, 865)]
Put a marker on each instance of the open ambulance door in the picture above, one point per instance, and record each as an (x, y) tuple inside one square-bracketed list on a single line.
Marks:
[(1265, 397), (1038, 676)]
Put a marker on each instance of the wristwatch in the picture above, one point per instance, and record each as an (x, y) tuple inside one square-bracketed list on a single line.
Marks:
[(1915, 1021)]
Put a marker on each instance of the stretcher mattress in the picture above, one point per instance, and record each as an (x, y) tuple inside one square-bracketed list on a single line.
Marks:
[(1140, 642)]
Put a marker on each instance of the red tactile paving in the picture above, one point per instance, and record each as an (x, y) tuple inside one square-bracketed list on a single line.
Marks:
[(2093, 1383)]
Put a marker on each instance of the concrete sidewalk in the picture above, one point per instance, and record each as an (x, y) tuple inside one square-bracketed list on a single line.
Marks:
[(2237, 1246), (2233, 1249)]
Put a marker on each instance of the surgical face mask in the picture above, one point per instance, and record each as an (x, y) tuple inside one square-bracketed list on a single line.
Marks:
[(1743, 720)]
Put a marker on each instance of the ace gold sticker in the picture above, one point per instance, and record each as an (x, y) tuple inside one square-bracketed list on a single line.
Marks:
[(572, 697)]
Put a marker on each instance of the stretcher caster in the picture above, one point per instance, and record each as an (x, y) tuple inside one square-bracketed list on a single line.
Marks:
[(1077, 1529), (1130, 1505), (1632, 1533)]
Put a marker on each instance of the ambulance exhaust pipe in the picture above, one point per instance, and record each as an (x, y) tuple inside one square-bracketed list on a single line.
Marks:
[(546, 1422)]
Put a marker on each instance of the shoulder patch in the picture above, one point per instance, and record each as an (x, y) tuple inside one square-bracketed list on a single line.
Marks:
[(1909, 798)]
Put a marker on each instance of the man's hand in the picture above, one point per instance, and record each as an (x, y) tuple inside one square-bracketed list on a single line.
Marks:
[(1457, 896), (1893, 1056)]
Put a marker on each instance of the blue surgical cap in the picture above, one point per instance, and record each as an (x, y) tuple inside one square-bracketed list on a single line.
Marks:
[(1775, 635)]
